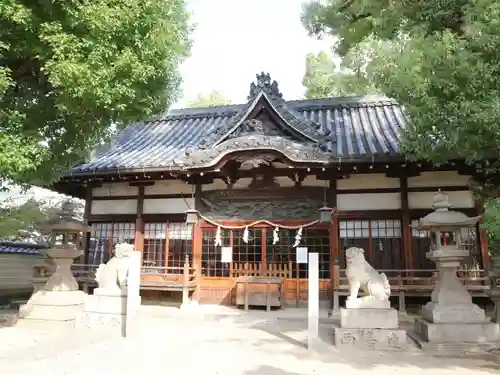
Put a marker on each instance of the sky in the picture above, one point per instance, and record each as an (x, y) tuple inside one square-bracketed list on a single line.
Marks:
[(236, 39)]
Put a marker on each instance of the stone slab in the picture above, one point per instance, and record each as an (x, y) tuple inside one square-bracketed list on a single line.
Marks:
[(112, 324), (457, 332), (367, 338), (106, 304), (456, 313), (54, 306), (369, 318), (367, 303), (52, 313)]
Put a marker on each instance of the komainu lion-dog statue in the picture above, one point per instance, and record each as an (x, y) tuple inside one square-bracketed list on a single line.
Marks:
[(361, 275), (112, 276)]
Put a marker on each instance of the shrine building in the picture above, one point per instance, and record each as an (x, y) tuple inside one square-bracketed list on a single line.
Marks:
[(252, 178)]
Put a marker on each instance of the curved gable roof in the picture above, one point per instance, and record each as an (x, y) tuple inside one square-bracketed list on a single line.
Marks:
[(358, 128)]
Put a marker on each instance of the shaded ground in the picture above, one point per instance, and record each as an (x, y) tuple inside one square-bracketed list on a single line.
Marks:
[(212, 341)]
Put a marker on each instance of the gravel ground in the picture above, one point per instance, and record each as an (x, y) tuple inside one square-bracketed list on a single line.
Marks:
[(211, 341)]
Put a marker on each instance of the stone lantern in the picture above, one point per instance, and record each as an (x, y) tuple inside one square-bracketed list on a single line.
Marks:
[(60, 299), (494, 292), (450, 316)]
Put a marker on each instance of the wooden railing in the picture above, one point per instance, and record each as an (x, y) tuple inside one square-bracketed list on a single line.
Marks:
[(283, 271), (408, 282), (169, 278), (152, 278)]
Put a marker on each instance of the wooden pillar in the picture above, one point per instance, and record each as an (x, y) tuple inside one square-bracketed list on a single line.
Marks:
[(139, 222), (197, 243), (334, 234), (406, 222), (263, 258), (86, 215), (483, 237), (166, 247)]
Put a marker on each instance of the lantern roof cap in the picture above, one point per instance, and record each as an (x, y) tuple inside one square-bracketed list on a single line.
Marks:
[(442, 217), (65, 221)]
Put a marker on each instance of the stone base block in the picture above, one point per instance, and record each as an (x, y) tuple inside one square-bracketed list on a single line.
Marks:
[(111, 324), (54, 306), (367, 338), (457, 332), (106, 304), (456, 313), (369, 318), (367, 303), (100, 320)]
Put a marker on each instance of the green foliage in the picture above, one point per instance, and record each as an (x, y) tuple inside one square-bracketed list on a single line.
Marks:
[(440, 59), (324, 79), (492, 224), (70, 69), (21, 220), (14, 218), (212, 99)]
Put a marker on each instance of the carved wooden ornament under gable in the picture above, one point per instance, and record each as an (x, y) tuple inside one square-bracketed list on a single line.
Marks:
[(259, 202)]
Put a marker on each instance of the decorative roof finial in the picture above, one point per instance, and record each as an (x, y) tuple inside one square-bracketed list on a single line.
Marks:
[(264, 84), (440, 201)]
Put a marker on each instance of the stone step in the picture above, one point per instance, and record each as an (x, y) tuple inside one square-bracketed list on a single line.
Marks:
[(458, 348)]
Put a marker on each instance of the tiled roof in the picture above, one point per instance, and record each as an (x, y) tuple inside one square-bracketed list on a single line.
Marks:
[(20, 248), (360, 128)]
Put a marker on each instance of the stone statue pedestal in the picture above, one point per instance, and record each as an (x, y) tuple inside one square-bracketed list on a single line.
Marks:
[(113, 305), (59, 300), (369, 328), (105, 312), (450, 316)]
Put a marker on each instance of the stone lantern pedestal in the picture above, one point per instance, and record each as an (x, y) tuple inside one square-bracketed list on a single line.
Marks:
[(60, 299), (450, 316), (494, 293)]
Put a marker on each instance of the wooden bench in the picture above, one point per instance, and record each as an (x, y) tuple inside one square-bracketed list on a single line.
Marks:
[(158, 278)]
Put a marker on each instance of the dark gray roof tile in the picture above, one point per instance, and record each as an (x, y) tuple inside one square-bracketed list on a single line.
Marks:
[(341, 128), (20, 248), (360, 127)]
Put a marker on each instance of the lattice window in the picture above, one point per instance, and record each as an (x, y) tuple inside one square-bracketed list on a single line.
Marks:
[(380, 239), (100, 244), (250, 252), (420, 244), (316, 241), (470, 242), (354, 233), (211, 264), (282, 252), (387, 250), (155, 238), (123, 232), (180, 243)]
